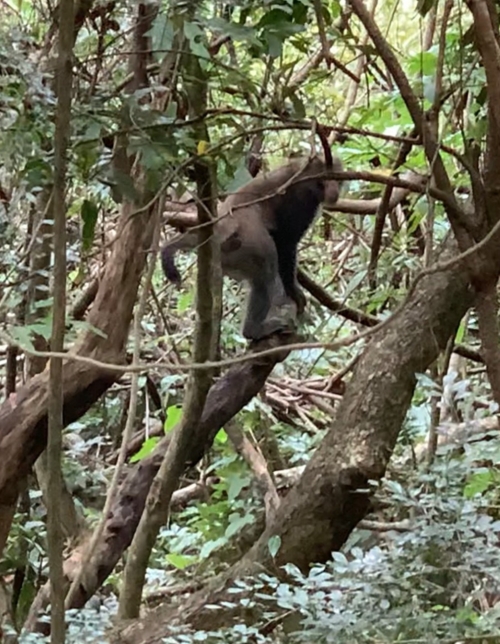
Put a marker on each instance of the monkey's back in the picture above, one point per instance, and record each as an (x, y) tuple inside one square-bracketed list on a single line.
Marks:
[(272, 209)]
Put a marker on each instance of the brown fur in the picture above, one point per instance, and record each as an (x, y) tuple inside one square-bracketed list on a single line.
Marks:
[(259, 228)]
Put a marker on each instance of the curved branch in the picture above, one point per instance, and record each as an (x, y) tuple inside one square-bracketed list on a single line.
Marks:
[(225, 399)]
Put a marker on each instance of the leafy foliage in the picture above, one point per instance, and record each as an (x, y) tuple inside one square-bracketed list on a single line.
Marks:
[(438, 578)]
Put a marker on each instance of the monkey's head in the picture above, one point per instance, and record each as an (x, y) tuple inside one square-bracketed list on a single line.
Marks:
[(331, 187)]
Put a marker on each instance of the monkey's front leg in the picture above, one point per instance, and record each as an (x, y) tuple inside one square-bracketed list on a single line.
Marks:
[(287, 264)]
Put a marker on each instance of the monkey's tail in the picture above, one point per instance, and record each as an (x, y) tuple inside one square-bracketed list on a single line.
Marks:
[(168, 263), (323, 132)]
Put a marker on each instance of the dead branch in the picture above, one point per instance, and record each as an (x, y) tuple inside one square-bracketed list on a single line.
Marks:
[(379, 526), (255, 459), (458, 434)]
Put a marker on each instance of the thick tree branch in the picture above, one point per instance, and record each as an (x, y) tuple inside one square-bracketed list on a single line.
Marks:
[(486, 35), (23, 421), (225, 399)]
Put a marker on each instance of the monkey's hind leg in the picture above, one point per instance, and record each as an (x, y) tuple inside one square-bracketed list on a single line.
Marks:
[(269, 310), (257, 308), (282, 318)]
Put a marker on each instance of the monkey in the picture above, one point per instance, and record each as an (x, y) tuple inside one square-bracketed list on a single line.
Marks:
[(258, 228)]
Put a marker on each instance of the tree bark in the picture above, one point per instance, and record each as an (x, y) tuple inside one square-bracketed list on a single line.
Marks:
[(55, 484)]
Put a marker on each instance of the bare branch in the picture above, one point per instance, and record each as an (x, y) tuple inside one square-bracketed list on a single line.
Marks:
[(64, 91), (258, 464)]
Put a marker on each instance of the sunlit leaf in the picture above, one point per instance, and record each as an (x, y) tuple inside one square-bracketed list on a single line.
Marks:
[(147, 447), (479, 482), (221, 437), (238, 522), (274, 545), (185, 301), (180, 561), (202, 147), (174, 415)]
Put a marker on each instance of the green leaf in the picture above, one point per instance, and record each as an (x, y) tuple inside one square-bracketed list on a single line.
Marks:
[(235, 31), (92, 132), (478, 483), (124, 185), (273, 545), (423, 64), (185, 301), (22, 335), (210, 546), (274, 45), (180, 561), (162, 36), (221, 437), (240, 177), (146, 449), (276, 26), (460, 332), (235, 483), (88, 212), (37, 173), (237, 522), (174, 415), (196, 36)]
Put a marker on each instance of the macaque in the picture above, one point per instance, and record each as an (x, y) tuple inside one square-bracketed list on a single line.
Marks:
[(258, 228)]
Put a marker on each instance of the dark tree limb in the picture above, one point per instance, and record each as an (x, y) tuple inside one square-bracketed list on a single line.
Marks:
[(338, 306), (485, 273), (225, 399), (382, 211)]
